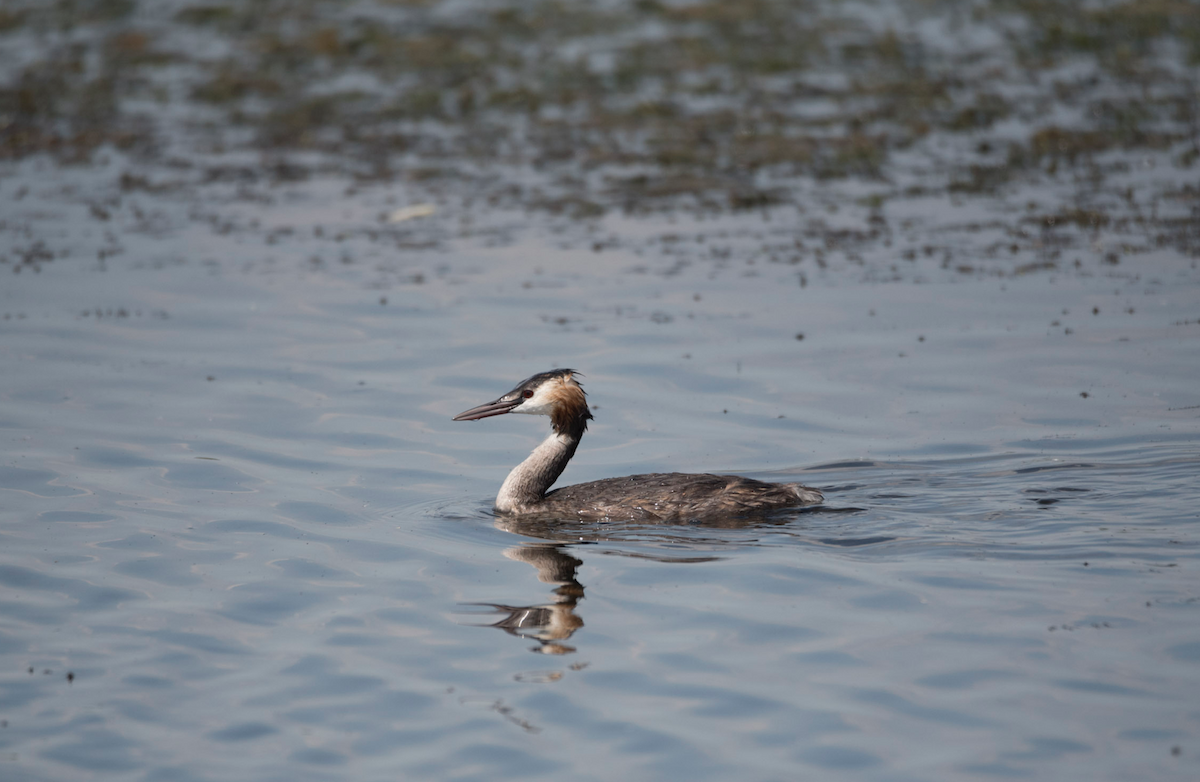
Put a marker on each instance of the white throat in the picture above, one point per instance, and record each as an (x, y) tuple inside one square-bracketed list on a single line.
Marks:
[(529, 480)]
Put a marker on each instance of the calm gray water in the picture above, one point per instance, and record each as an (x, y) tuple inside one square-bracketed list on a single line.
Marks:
[(241, 538)]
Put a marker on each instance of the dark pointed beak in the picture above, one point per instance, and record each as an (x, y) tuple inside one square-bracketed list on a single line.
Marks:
[(499, 407)]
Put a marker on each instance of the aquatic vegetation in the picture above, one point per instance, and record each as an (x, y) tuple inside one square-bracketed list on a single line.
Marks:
[(639, 106)]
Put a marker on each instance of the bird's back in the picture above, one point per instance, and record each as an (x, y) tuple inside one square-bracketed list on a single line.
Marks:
[(673, 495)]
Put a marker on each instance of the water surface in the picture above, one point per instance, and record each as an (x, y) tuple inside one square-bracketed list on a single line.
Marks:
[(242, 538)]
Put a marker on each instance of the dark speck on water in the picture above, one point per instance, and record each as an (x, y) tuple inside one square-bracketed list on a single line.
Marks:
[(361, 216)]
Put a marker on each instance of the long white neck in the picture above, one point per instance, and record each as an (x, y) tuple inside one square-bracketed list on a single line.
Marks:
[(529, 480)]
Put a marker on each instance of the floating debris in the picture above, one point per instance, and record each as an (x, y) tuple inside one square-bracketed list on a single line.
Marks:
[(411, 213)]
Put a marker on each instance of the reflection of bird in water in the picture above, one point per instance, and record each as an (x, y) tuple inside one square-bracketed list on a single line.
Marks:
[(553, 623), (649, 497)]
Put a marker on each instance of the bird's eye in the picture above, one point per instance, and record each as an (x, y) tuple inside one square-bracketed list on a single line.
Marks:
[(527, 394)]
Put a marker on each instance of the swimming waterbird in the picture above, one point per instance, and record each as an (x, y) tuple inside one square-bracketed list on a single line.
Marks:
[(654, 496)]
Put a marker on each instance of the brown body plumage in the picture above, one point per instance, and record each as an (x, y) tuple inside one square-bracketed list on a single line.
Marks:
[(650, 497)]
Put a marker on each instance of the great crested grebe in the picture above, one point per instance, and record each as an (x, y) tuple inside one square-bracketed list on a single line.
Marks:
[(660, 495)]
